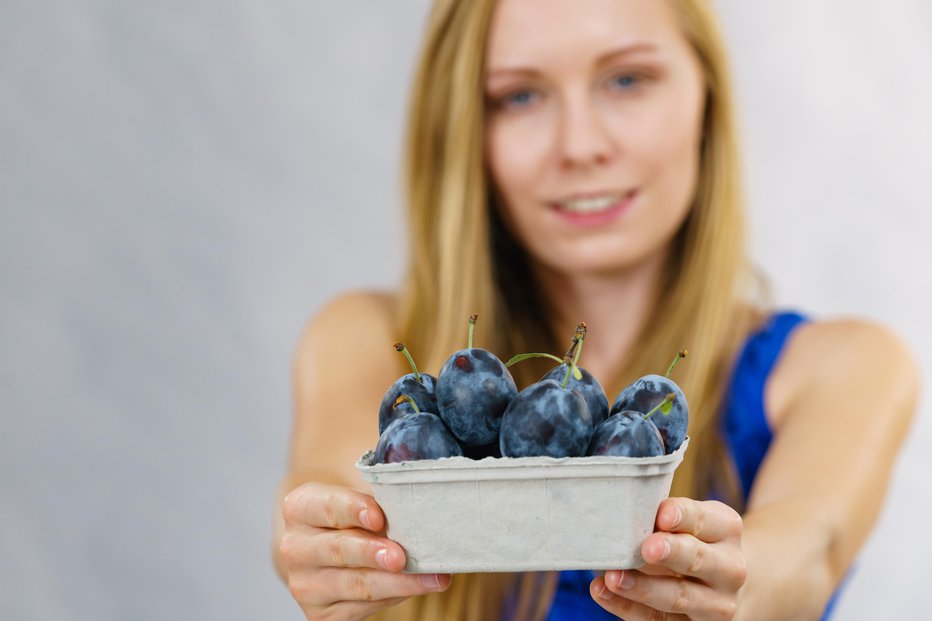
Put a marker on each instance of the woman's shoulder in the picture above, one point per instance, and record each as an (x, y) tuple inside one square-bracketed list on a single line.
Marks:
[(367, 310), (838, 355), (353, 330)]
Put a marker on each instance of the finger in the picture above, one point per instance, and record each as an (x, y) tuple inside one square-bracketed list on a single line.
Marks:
[(328, 506), (360, 610), (719, 565), (331, 585), (628, 609), (711, 521), (348, 548), (677, 596)]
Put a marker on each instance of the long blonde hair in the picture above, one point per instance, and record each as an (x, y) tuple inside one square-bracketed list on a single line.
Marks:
[(462, 261)]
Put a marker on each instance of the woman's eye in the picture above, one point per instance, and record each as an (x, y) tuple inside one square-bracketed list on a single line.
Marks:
[(625, 81), (517, 99)]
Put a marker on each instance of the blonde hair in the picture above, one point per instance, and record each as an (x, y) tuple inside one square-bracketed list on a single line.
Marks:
[(462, 261)]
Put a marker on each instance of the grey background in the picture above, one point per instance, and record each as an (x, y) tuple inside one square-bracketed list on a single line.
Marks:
[(183, 183)]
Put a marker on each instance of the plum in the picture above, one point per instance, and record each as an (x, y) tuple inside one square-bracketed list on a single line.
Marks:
[(580, 379), (420, 435), (420, 387), (626, 434), (473, 390), (587, 386), (646, 394), (546, 419)]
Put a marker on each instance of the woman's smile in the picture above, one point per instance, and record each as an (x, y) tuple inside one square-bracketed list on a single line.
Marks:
[(594, 209)]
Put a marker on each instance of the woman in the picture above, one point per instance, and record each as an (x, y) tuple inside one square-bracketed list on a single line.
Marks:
[(577, 161)]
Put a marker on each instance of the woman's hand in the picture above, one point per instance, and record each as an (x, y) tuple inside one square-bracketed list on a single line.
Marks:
[(695, 567), (338, 566)]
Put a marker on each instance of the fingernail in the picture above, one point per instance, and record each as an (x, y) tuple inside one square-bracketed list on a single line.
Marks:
[(677, 518), (627, 580), (364, 519), (605, 594), (666, 550), (381, 558), (430, 581)]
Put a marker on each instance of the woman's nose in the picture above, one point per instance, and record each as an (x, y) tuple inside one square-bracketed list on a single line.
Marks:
[(584, 140)]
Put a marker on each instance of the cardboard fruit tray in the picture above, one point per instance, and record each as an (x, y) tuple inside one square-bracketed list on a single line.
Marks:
[(458, 515)]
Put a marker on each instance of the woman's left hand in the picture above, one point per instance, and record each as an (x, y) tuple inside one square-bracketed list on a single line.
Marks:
[(694, 567)]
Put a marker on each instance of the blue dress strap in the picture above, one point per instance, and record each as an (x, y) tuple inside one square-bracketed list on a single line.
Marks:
[(747, 431)]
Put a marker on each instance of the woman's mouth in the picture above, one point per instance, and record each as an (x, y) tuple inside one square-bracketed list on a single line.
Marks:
[(594, 209)]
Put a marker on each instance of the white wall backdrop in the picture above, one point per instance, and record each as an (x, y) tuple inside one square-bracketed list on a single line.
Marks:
[(183, 183)]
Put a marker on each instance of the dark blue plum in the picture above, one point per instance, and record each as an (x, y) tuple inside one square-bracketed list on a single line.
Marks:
[(473, 389), (546, 419), (416, 436), (627, 434), (645, 394), (589, 387), (424, 394)]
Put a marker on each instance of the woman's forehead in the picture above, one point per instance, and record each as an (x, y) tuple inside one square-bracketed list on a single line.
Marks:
[(533, 32)]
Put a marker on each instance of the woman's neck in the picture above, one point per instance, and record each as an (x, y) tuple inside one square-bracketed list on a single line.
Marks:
[(614, 306)]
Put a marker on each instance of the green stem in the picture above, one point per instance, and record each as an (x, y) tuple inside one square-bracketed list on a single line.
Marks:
[(401, 347), (523, 357), (472, 328), (566, 378), (679, 356), (663, 405), (402, 398)]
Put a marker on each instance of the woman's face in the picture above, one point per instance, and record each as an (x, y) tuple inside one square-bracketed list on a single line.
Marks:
[(595, 114)]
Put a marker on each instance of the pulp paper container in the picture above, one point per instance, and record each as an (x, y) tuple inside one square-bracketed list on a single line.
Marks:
[(458, 515)]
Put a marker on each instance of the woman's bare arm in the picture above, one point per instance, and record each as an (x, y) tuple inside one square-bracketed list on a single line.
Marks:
[(342, 365), (840, 401)]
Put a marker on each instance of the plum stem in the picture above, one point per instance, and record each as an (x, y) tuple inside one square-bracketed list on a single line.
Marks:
[(679, 357), (571, 357), (566, 378), (581, 330), (472, 329), (401, 347), (522, 357), (402, 398), (663, 406)]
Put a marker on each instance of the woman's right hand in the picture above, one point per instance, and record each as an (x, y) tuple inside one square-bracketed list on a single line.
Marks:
[(338, 562)]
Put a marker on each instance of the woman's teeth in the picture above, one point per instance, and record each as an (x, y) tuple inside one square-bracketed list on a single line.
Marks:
[(592, 204)]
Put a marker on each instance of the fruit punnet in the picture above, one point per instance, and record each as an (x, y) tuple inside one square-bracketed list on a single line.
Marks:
[(583, 382), (473, 390), (630, 434), (420, 387), (419, 435), (646, 393)]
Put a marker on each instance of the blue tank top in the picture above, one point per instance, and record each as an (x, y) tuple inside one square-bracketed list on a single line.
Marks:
[(747, 435)]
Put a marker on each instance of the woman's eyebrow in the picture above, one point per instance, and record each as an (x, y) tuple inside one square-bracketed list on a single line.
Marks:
[(612, 54), (626, 50), (512, 70)]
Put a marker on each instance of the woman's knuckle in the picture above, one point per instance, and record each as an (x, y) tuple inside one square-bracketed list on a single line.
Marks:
[(335, 552), (286, 550), (740, 573), (698, 559), (298, 588), (729, 610), (683, 601), (290, 506), (358, 586), (656, 615), (737, 524), (329, 511)]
